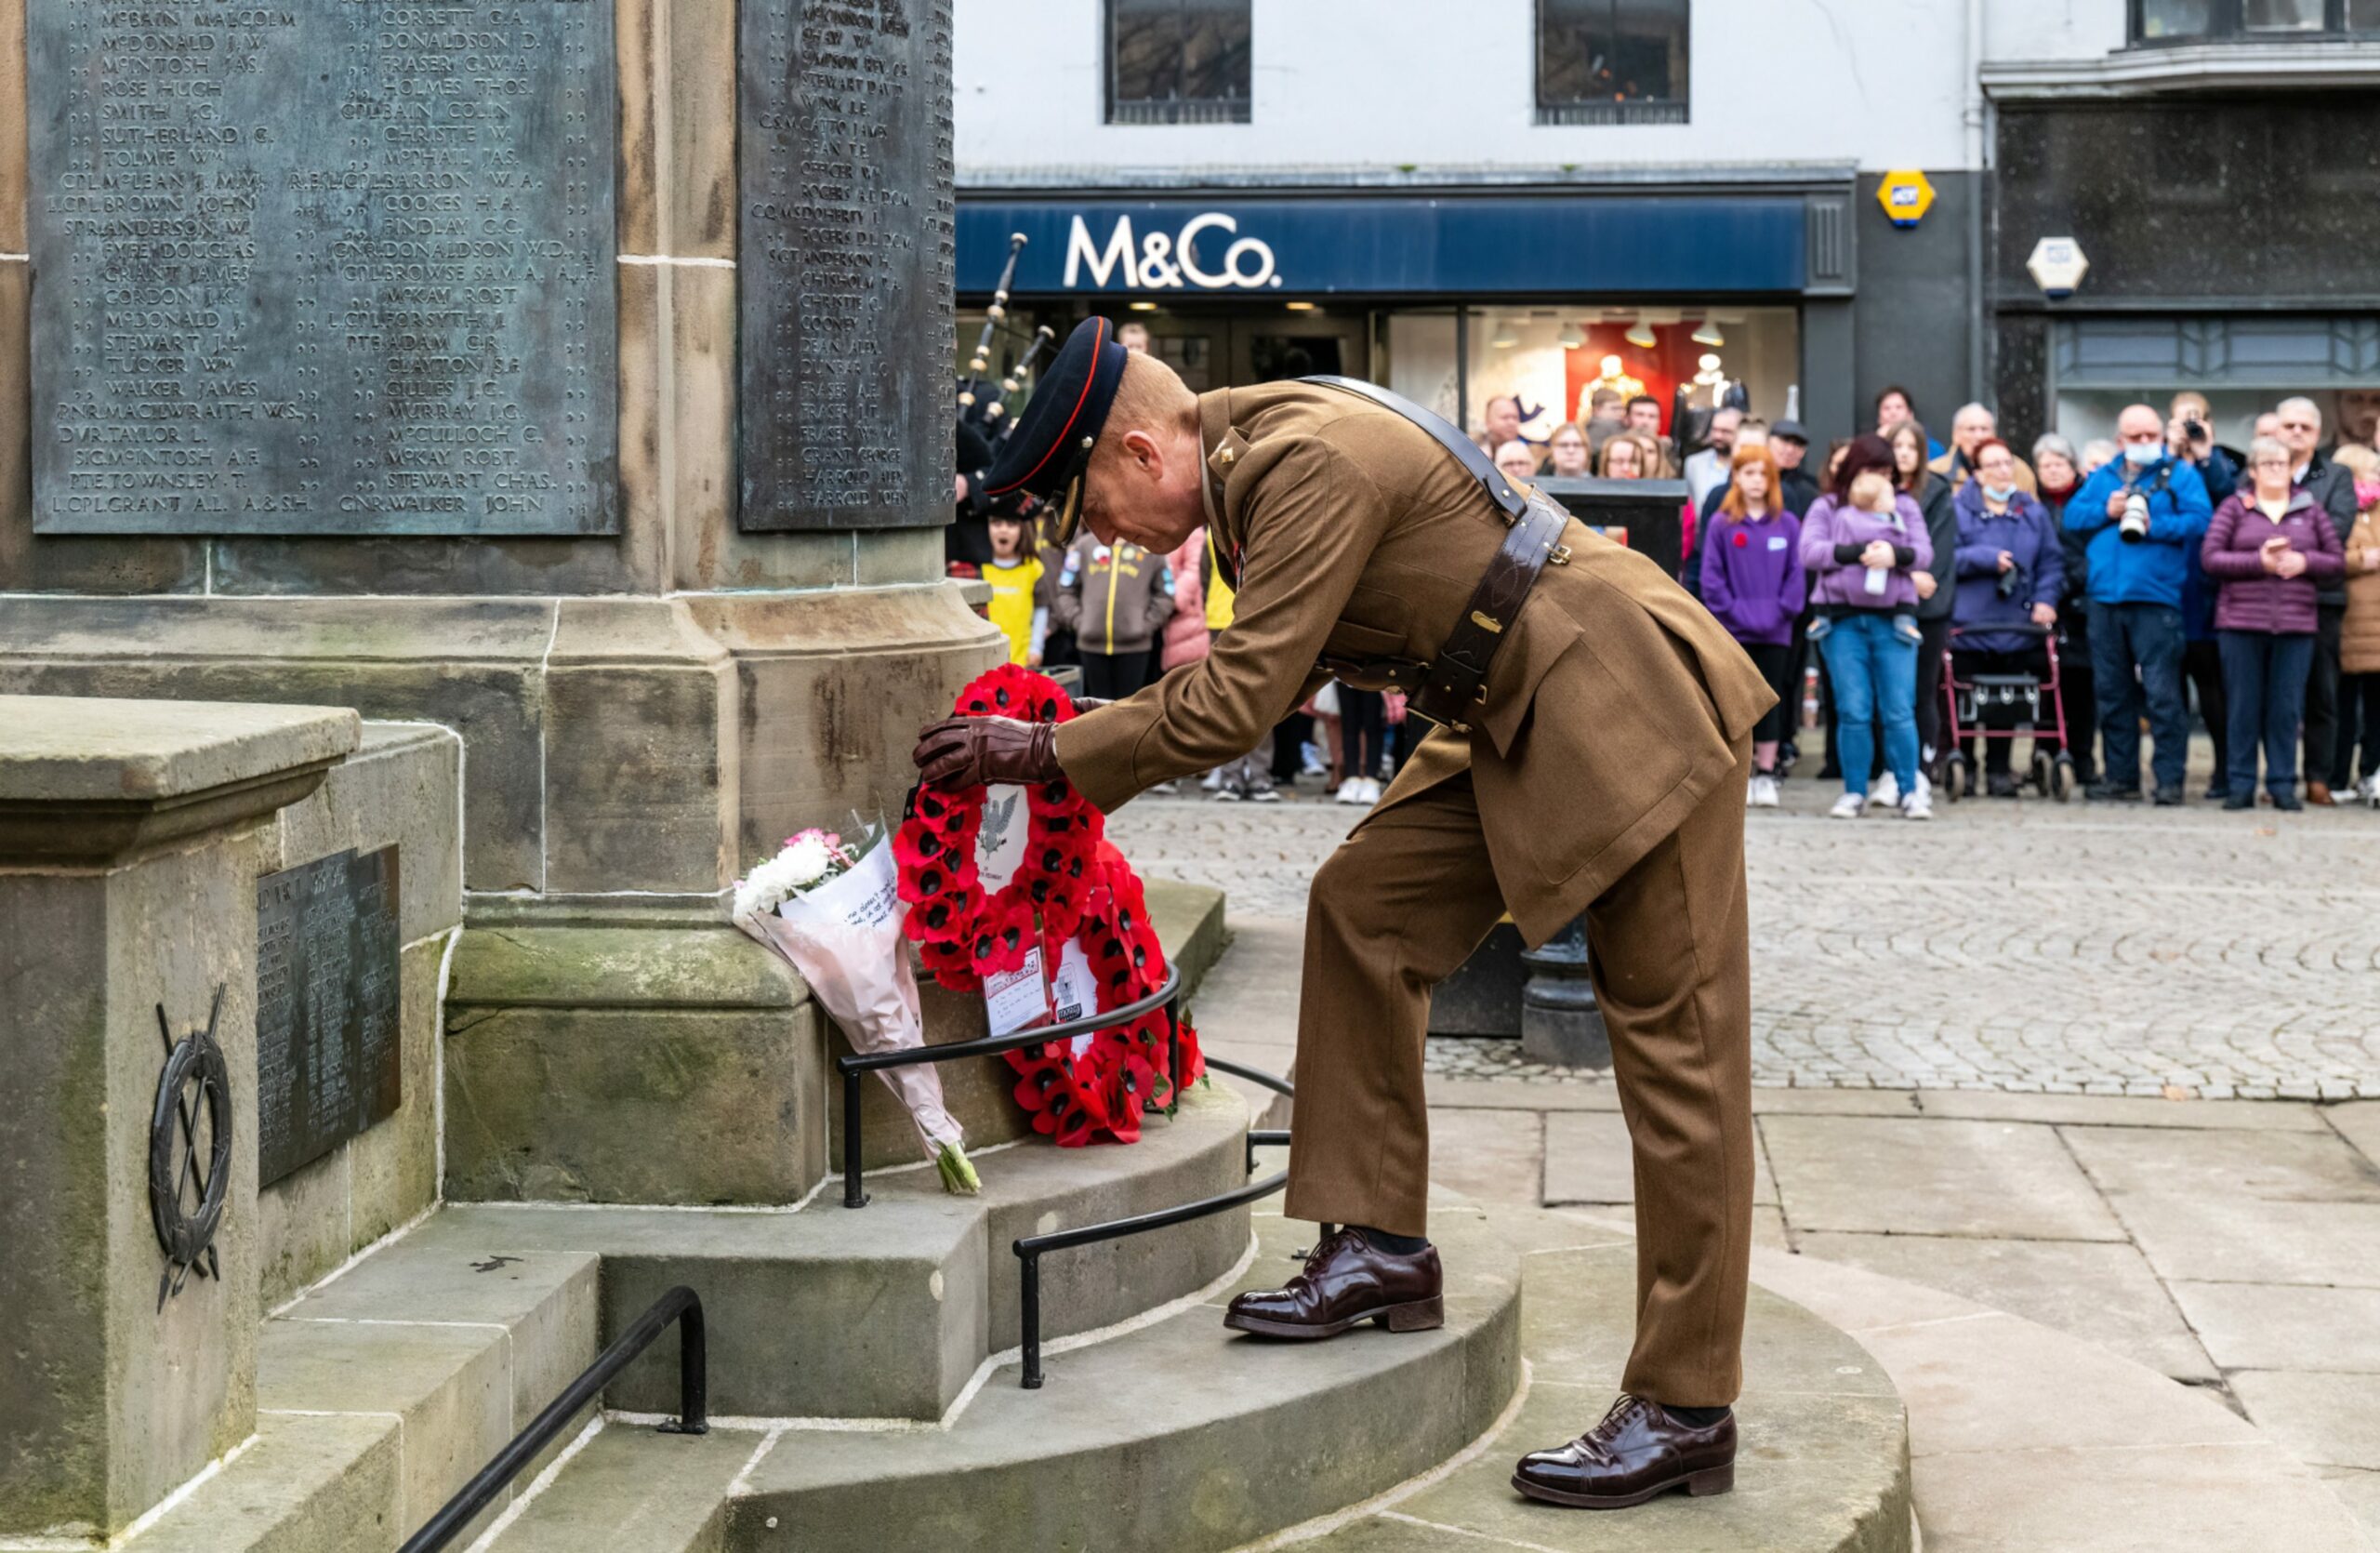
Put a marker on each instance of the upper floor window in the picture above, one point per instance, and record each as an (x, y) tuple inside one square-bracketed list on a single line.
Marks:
[(1177, 61), (1614, 61), (2156, 22)]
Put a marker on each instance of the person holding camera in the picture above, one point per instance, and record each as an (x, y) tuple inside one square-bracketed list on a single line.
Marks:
[(2140, 516), (2189, 436), (2012, 573), (2271, 547)]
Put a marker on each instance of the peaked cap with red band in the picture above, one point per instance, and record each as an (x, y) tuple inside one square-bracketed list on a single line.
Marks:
[(1049, 452)]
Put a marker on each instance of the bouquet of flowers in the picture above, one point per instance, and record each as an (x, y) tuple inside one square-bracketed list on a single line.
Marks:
[(833, 910)]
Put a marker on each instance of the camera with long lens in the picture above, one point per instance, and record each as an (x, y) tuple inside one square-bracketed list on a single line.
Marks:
[(2132, 527), (2194, 430)]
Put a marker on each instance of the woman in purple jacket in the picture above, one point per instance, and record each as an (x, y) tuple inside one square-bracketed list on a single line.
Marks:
[(1753, 582), (1860, 541), (2270, 548), (2011, 571)]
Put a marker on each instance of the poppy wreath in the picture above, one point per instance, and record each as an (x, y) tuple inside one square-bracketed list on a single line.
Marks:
[(1071, 886)]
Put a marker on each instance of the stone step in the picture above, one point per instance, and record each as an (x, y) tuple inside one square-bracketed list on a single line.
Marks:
[(887, 1311), (1175, 1438), (383, 1390), (631, 1488), (1822, 1464), (683, 1064)]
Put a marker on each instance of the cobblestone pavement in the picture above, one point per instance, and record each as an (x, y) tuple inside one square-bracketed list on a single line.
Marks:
[(2115, 950)]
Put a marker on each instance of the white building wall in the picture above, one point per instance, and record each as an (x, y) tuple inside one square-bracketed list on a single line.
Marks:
[(2052, 29), (1376, 85)]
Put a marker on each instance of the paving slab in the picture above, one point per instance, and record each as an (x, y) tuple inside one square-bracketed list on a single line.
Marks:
[(1990, 1178), (1493, 1155), (2247, 1240), (2328, 1420), (2359, 1122), (2101, 1292), (2114, 1111), (2279, 1326), (2149, 1500), (2359, 1491), (1589, 1160), (2287, 1167)]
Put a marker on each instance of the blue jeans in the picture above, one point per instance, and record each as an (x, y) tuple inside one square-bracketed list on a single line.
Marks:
[(2136, 656), (2264, 682), (1871, 657)]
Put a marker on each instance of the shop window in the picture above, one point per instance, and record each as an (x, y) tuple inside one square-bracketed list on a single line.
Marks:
[(1178, 61), (1611, 62), (2169, 21)]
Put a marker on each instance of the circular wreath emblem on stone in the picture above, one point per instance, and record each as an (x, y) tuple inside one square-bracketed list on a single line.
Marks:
[(188, 1179), (1069, 887)]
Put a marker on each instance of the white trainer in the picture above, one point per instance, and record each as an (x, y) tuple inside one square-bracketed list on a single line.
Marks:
[(1764, 791), (1351, 790), (1848, 807), (1917, 805), (1885, 794), (1370, 792)]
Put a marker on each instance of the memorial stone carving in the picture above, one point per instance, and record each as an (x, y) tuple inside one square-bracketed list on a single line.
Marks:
[(845, 264), (330, 267)]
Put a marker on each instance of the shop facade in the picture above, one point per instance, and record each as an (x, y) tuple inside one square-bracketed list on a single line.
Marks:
[(1451, 296), (2233, 239)]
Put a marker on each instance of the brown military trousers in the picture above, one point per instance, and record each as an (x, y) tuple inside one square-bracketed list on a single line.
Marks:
[(1402, 903)]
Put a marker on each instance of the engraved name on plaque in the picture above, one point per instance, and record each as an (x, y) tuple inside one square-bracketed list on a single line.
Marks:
[(324, 267), (328, 1049), (845, 264)]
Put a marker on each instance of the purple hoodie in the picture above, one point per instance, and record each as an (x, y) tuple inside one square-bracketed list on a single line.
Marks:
[(1834, 534), (1752, 576)]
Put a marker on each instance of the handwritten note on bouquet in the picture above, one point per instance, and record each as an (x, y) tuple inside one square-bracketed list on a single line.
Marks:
[(1019, 999)]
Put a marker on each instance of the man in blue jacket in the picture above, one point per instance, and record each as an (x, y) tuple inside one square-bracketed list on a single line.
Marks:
[(2145, 515)]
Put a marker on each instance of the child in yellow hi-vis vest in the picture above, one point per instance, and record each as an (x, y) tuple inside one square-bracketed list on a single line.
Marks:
[(1015, 576)]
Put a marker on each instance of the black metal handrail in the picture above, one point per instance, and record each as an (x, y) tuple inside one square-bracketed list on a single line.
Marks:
[(1168, 996), (1030, 1250), (680, 1304)]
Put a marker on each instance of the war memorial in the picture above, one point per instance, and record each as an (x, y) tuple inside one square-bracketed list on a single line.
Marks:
[(471, 477)]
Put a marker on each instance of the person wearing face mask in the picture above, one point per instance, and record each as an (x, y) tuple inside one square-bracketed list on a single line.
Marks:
[(2298, 424), (2360, 632), (2058, 468), (2270, 547), (2012, 574), (2138, 516)]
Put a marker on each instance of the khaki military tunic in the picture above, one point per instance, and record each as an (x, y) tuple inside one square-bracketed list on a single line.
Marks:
[(1604, 772)]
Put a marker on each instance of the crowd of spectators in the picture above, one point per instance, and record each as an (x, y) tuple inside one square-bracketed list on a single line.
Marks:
[(2085, 592), (2137, 575)]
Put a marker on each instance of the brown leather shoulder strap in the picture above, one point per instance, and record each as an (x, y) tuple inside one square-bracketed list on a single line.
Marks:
[(1458, 677)]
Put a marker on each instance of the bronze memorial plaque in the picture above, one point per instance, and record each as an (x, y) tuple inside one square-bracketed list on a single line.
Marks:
[(329, 1014), (844, 263), (329, 267)]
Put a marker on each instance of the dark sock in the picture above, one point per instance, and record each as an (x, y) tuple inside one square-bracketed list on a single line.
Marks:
[(1399, 1245), (1696, 1417)]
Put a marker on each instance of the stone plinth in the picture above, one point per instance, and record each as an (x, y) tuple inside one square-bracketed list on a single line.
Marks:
[(133, 833)]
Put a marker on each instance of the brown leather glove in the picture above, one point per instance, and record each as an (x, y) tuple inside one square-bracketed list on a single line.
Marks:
[(971, 751)]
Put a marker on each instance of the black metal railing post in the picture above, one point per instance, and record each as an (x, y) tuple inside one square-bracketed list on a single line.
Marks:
[(1172, 1056), (680, 1304), (854, 1196), (1031, 1306), (1030, 1249), (852, 1066)]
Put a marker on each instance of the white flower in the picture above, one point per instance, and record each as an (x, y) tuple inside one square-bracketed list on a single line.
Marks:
[(806, 859)]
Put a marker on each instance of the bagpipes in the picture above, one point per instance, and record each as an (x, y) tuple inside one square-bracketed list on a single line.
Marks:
[(980, 408)]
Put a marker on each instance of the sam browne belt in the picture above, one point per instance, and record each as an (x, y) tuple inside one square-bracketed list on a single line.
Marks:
[(1451, 687)]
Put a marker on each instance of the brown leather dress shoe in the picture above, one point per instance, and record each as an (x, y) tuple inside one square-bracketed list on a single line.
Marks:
[(1637, 1453), (1347, 1280), (2319, 794)]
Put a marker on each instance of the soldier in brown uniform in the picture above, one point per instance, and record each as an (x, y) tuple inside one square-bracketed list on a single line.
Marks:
[(1592, 757)]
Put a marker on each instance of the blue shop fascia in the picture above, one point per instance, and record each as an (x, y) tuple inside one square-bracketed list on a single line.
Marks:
[(1449, 294)]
